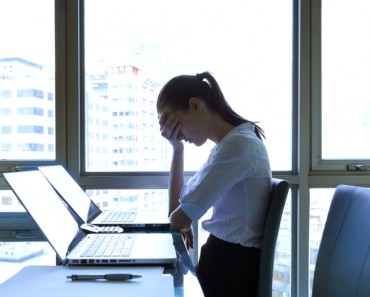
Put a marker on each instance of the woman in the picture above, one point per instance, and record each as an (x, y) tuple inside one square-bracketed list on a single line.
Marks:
[(235, 181)]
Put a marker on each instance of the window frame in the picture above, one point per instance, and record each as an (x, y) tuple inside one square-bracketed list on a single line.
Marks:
[(309, 170), (317, 162), (19, 226)]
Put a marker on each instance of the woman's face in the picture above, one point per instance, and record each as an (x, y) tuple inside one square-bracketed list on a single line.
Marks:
[(192, 127), (192, 124)]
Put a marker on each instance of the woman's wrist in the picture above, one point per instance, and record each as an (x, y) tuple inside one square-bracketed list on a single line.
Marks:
[(177, 146)]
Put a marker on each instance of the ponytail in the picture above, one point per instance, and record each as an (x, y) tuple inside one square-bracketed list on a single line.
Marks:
[(222, 107), (178, 90)]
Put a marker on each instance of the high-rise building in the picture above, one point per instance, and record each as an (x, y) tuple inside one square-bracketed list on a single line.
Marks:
[(27, 111), (121, 120), (121, 124)]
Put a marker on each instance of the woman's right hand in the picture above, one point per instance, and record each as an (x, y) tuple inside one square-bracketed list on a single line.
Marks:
[(170, 128), (188, 237)]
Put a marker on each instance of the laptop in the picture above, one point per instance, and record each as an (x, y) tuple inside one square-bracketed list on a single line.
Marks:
[(90, 213), (70, 243)]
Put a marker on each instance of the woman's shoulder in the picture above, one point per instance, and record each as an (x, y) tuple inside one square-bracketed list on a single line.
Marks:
[(242, 145), (243, 134), (243, 130)]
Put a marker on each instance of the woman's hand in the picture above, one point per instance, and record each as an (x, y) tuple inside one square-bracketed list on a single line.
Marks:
[(188, 237), (181, 222), (170, 127)]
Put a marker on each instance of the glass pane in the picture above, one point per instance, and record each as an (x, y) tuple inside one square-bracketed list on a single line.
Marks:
[(9, 202), (27, 91), (281, 282), (130, 200), (320, 200), (345, 79), (133, 47)]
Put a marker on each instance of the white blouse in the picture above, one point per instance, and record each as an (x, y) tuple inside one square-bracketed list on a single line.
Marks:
[(236, 182)]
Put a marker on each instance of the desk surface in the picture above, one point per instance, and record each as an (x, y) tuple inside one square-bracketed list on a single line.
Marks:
[(181, 279)]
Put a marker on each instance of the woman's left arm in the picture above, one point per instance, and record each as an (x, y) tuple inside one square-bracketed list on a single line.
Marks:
[(180, 221)]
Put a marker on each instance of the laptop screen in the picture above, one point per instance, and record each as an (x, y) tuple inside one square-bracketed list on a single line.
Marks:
[(66, 186), (45, 207)]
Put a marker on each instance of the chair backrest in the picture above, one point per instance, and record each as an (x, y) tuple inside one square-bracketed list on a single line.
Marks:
[(279, 194), (343, 260)]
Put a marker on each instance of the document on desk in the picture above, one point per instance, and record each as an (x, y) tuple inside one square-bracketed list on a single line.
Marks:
[(52, 281)]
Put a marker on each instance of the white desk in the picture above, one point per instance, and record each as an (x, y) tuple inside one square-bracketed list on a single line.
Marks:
[(8, 269), (51, 281), (36, 279)]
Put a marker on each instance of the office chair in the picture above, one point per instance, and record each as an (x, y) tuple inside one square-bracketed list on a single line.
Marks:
[(279, 194), (343, 261)]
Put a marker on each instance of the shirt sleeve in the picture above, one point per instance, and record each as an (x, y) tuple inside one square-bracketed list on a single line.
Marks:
[(228, 164)]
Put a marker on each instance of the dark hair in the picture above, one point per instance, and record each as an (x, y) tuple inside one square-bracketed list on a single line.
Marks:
[(176, 93)]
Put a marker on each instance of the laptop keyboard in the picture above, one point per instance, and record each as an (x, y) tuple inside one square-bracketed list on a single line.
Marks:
[(107, 245), (120, 216)]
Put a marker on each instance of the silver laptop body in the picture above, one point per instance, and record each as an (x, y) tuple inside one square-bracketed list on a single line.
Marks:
[(69, 242), (89, 212)]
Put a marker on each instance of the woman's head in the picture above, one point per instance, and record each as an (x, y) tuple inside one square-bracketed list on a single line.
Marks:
[(176, 93)]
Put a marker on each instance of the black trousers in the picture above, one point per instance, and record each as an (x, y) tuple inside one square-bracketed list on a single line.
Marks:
[(227, 269)]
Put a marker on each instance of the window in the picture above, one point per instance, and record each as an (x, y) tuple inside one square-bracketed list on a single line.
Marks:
[(30, 111), (25, 93), (320, 200), (156, 43), (6, 129), (6, 147), (27, 90), (7, 200), (5, 112), (5, 94), (246, 45), (27, 77), (293, 66), (340, 107), (345, 97), (130, 200), (345, 92), (30, 129)]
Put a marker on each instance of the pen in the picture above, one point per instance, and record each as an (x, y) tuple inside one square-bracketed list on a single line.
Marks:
[(108, 277)]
